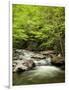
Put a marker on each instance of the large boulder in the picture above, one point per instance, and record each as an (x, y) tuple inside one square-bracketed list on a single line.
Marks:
[(58, 61), (22, 65)]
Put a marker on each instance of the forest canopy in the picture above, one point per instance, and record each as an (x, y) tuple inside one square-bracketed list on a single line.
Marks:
[(38, 27)]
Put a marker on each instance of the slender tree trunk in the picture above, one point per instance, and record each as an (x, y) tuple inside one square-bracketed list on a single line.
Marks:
[(61, 46)]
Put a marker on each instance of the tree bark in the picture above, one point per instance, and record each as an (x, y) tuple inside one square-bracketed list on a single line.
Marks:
[(61, 45)]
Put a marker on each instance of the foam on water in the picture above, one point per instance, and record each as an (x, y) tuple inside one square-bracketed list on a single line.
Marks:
[(27, 54), (45, 71), (40, 75)]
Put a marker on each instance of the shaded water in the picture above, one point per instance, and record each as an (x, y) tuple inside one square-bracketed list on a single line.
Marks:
[(39, 75)]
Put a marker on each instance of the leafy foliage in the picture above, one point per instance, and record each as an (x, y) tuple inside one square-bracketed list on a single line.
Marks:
[(38, 27)]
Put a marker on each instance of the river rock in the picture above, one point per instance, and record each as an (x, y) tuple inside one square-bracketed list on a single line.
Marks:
[(38, 56), (22, 65), (47, 52), (58, 61)]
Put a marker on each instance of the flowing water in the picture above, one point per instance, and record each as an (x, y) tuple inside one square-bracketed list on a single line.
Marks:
[(39, 75)]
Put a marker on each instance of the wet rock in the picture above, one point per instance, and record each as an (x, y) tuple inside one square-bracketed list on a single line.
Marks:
[(58, 61), (23, 65), (47, 52), (20, 70), (38, 56), (21, 57)]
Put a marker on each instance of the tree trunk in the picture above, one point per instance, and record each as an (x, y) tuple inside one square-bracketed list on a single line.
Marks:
[(61, 46)]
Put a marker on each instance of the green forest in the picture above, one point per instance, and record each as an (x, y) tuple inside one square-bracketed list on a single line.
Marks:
[(38, 28)]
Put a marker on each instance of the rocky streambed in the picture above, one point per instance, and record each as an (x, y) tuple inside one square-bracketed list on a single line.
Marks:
[(37, 67)]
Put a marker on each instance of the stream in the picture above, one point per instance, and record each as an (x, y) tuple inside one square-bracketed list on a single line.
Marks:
[(41, 74)]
